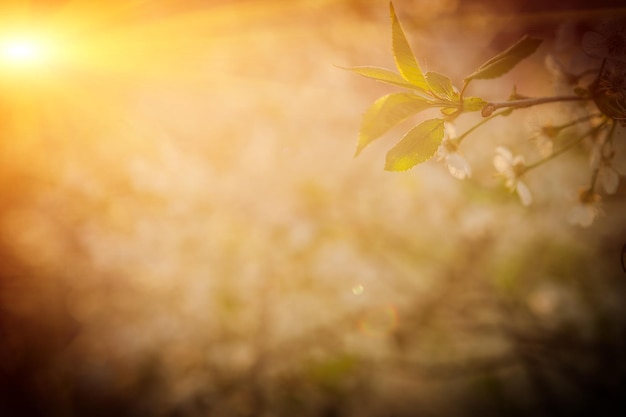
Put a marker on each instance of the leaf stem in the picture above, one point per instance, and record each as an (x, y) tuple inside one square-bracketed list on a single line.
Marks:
[(526, 102), (477, 125), (576, 121), (465, 84), (609, 136), (594, 180), (564, 148), (596, 171)]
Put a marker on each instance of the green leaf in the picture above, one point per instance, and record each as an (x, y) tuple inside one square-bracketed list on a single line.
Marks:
[(405, 60), (387, 112), (506, 60), (417, 146), (381, 74), (473, 103), (441, 86), (449, 111)]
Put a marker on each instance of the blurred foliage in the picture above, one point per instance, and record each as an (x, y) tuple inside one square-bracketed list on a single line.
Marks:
[(186, 234)]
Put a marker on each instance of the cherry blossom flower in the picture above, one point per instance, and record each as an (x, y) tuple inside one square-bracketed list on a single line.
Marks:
[(587, 208), (610, 91), (512, 168), (608, 177), (543, 137), (449, 153), (613, 81), (602, 161), (564, 82), (608, 41)]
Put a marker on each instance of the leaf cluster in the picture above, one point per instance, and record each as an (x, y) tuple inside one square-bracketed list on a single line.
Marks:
[(426, 90)]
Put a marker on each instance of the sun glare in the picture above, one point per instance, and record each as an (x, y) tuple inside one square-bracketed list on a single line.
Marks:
[(23, 51)]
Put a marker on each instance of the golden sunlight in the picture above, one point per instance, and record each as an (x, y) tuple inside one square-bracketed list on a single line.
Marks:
[(24, 51), (184, 230)]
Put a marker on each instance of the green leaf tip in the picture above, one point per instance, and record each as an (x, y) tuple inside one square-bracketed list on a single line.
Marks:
[(403, 55), (382, 75), (387, 112), (506, 60), (417, 146)]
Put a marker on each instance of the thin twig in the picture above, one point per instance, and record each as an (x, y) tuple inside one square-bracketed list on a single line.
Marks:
[(565, 148), (526, 102)]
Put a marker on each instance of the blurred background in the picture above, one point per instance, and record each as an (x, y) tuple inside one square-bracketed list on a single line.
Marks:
[(184, 230)]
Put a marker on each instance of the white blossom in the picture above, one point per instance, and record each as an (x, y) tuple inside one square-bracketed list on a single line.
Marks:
[(543, 138), (608, 41), (602, 160), (448, 152), (563, 81), (608, 177), (586, 209), (543, 132), (511, 168)]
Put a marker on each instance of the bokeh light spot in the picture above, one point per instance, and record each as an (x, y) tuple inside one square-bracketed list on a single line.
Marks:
[(358, 289)]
